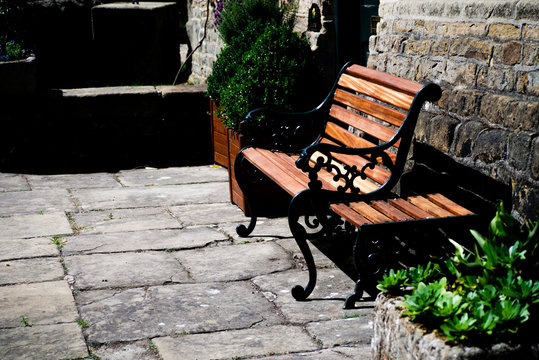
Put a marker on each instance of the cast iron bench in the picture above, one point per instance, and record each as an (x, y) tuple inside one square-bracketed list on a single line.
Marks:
[(341, 183)]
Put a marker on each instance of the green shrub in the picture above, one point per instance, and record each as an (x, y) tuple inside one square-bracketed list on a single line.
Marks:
[(486, 295), (14, 36)]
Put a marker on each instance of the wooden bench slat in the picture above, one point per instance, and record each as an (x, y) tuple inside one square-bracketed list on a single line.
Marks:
[(283, 179), (390, 211), (410, 209), (326, 178), (376, 91), (379, 111), (348, 139), (429, 206), (359, 122), (350, 215), (369, 212), (449, 205), (385, 79)]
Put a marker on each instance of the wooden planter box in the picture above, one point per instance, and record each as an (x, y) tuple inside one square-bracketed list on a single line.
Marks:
[(396, 337), (268, 199)]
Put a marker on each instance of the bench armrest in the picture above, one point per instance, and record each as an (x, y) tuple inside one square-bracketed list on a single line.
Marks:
[(280, 130), (320, 156)]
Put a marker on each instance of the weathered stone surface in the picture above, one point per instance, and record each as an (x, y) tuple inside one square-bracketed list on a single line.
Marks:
[(440, 133), (466, 28), (226, 345), (503, 31), (401, 66), (510, 111), (472, 48), (92, 199), (519, 150), (139, 350), (32, 202), (58, 341), (72, 181), (343, 331), (461, 102), (491, 145), (120, 220), (11, 249), (358, 352), (30, 270), (496, 79), (325, 303), (507, 53), (439, 47), (396, 337), (124, 269), (534, 158), (173, 176), (428, 69), (25, 226), (460, 73), (240, 261), (417, 47), (13, 182), (170, 239), (321, 260), (465, 138), (266, 229), (530, 31), (530, 54), (140, 313), (40, 303), (207, 214)]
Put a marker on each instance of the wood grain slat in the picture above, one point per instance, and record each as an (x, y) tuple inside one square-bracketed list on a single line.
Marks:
[(376, 91), (390, 211), (379, 111), (349, 215), (425, 204), (410, 209), (449, 205), (408, 86), (345, 137), (369, 212), (290, 184), (290, 162), (379, 131)]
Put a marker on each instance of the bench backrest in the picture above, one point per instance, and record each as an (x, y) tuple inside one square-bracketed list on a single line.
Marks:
[(369, 109)]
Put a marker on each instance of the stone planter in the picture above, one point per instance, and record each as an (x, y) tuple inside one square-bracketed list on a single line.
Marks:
[(396, 337), (18, 77)]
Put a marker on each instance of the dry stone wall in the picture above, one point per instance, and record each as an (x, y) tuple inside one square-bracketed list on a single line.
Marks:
[(485, 55)]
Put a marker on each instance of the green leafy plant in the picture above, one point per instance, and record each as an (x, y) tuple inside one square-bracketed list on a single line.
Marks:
[(14, 35), (485, 295)]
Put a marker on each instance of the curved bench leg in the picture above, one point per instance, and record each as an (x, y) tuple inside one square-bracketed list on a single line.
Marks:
[(298, 206), (241, 179)]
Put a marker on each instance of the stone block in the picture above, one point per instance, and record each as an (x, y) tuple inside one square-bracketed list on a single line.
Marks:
[(440, 132), (534, 159), (136, 43), (525, 200), (439, 47), (491, 146), (530, 54), (519, 150), (510, 112), (472, 48), (466, 28), (527, 9), (429, 69), (530, 32), (401, 66), (503, 31), (417, 47), (435, 28), (460, 73), (460, 102), (499, 79), (465, 138), (509, 53)]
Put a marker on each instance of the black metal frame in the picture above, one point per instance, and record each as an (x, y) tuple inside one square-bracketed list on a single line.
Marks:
[(314, 202)]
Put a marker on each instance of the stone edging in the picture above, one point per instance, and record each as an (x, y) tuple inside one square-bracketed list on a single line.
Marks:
[(396, 337)]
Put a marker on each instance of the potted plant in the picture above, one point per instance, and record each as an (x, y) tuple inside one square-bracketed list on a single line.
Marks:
[(264, 63), (18, 67), (483, 301)]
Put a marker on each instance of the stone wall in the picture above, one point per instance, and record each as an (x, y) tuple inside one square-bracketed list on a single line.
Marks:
[(485, 55), (203, 59)]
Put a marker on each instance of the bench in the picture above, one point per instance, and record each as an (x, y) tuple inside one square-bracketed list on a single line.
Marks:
[(341, 184)]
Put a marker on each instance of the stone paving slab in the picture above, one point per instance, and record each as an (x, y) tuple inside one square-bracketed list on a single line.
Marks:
[(11, 249), (73, 181), (266, 229), (34, 225), (343, 331), (173, 176), (34, 202), (117, 220), (234, 262), (141, 313), (230, 344), (58, 341), (336, 353), (41, 303), (125, 269), (320, 259), (137, 350), (168, 239), (95, 199), (30, 270), (208, 214), (325, 303), (13, 182)]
